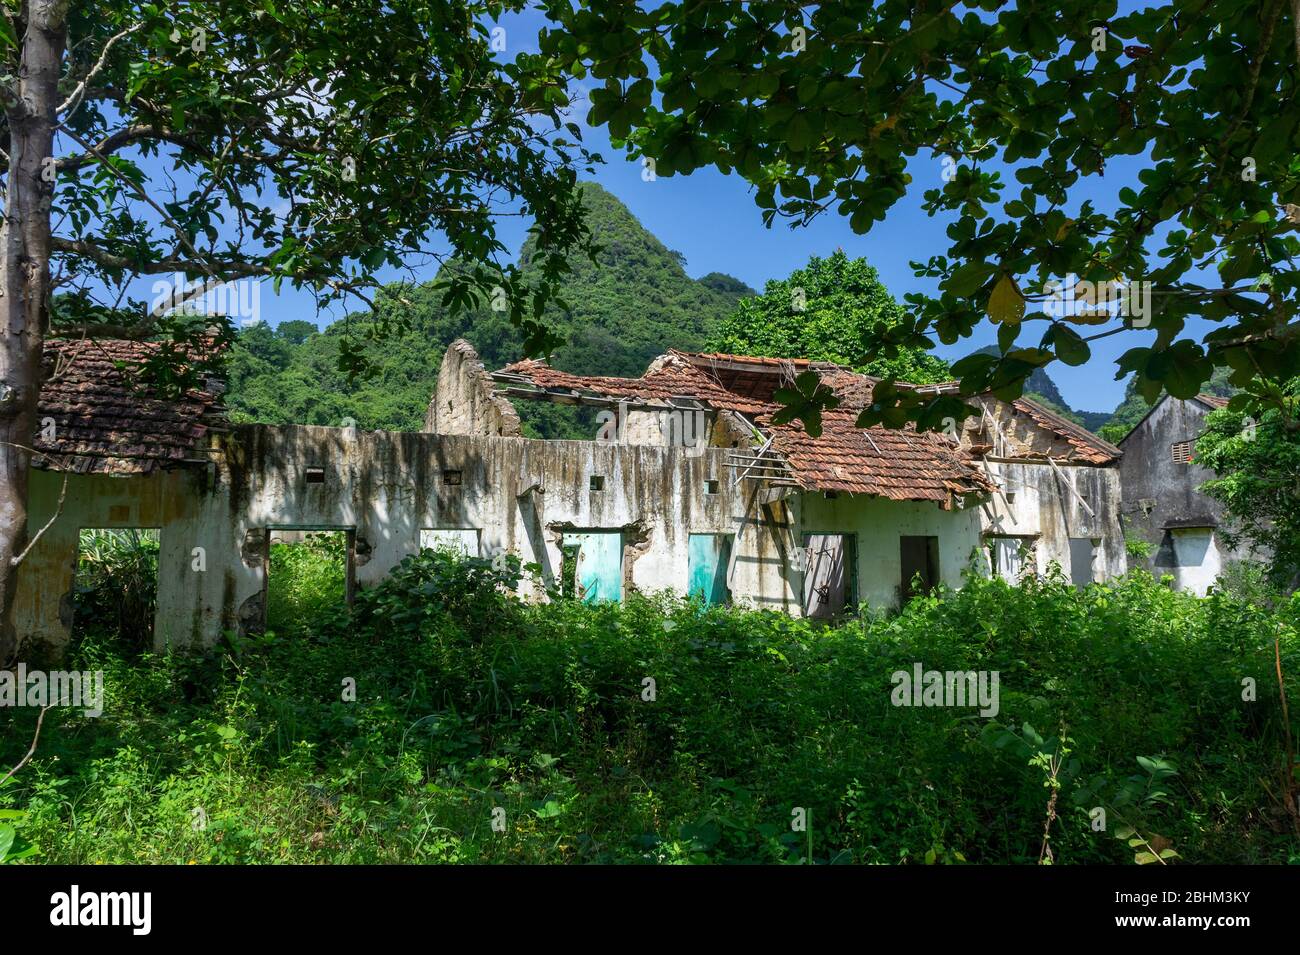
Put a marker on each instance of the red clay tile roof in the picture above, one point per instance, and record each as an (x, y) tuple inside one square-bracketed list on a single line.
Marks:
[(1212, 401), (899, 465), (107, 424), (1088, 448)]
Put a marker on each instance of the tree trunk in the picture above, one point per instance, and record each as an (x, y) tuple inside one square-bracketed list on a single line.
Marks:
[(25, 279)]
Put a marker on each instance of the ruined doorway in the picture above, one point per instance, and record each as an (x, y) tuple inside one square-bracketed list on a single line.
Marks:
[(309, 571), (592, 568), (115, 584), (829, 582), (920, 559), (707, 559)]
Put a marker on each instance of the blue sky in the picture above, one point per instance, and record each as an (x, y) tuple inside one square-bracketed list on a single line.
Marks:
[(712, 220)]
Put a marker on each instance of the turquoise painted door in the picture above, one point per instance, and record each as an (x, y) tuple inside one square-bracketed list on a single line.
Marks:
[(599, 565), (708, 556)]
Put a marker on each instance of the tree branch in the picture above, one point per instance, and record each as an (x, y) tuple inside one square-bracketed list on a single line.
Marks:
[(74, 98), (124, 137), (31, 750)]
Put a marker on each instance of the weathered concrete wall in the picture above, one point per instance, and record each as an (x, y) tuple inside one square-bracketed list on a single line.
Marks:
[(171, 501), (463, 400), (386, 487), (1161, 495), (1036, 503)]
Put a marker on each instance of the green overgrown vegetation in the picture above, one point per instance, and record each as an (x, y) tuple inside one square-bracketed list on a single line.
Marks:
[(115, 587), (307, 580), (631, 304), (401, 730)]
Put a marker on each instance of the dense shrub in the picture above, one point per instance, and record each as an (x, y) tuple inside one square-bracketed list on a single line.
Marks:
[(664, 731), (115, 591)]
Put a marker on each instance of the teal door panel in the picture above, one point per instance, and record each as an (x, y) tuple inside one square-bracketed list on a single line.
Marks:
[(708, 556), (599, 565)]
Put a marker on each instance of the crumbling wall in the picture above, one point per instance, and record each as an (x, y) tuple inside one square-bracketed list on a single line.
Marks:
[(1045, 507), (1009, 433), (463, 400), (385, 488)]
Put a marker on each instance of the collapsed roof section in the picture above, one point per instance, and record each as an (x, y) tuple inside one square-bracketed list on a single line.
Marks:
[(901, 465), (104, 421), (1065, 440)]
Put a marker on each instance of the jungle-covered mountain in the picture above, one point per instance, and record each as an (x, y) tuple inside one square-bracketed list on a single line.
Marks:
[(629, 305)]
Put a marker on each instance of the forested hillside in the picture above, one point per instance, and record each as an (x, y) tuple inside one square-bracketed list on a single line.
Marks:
[(631, 304), (1134, 407)]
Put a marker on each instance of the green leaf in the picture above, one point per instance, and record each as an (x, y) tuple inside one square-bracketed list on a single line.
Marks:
[(1006, 304), (1070, 346)]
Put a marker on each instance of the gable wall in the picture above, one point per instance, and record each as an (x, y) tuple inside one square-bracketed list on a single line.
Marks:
[(1158, 491)]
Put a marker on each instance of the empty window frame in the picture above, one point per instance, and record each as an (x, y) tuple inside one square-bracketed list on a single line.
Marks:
[(115, 584), (919, 556), (1007, 557), (1185, 547)]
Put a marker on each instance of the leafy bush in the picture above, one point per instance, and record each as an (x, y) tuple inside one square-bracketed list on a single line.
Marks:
[(1136, 547), (308, 581), (115, 591), (444, 721)]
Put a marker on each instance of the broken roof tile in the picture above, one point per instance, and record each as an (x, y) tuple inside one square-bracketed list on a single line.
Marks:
[(106, 422), (899, 465)]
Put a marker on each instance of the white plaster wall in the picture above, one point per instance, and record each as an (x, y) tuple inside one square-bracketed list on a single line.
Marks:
[(386, 487), (878, 524), (1046, 510)]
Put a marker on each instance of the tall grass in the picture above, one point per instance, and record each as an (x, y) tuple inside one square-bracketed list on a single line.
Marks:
[(115, 590), (443, 721)]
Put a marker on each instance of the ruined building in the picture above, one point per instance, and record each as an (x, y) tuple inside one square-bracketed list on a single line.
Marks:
[(1163, 504), (690, 486)]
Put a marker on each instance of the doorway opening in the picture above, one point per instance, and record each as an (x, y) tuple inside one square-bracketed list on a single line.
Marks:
[(920, 560), (591, 566), (707, 559), (310, 572), (830, 579), (115, 585)]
